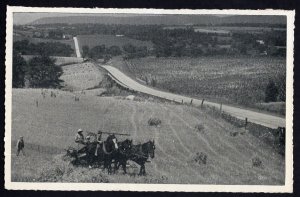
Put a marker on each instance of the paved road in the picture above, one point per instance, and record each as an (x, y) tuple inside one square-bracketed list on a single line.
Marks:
[(255, 117), (77, 50)]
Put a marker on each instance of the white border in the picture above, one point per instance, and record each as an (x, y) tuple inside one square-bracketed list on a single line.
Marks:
[(287, 188)]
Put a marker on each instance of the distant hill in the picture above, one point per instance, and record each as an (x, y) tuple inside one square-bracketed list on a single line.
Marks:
[(162, 19)]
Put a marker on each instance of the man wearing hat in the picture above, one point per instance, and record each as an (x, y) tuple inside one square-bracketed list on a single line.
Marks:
[(99, 141), (79, 137), (20, 146)]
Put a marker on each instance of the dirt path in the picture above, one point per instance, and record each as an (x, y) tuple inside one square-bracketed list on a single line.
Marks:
[(255, 117)]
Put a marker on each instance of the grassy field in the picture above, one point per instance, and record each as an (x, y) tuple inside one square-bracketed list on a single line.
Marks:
[(222, 79), (51, 126), (109, 40)]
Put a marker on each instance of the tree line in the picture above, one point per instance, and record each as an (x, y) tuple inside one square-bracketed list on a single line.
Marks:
[(51, 48), (39, 72), (101, 51), (187, 42)]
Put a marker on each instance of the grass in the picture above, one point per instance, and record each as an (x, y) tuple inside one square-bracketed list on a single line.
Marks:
[(232, 80), (54, 122), (277, 107), (109, 40)]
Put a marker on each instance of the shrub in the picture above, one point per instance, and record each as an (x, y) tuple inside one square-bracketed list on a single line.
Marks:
[(233, 133), (200, 158), (256, 162), (271, 92), (200, 128), (154, 122)]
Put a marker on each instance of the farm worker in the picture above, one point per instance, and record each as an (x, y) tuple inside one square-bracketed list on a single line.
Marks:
[(99, 135), (79, 137), (20, 146)]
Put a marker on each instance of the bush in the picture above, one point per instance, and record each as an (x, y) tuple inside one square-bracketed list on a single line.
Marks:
[(256, 162), (200, 128), (271, 92), (154, 122), (233, 133), (200, 158)]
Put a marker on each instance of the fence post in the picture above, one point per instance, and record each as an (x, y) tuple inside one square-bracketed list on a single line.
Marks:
[(246, 122), (202, 103), (182, 101), (191, 101), (221, 107)]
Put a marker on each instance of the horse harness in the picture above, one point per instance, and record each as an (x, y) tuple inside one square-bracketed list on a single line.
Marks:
[(104, 149)]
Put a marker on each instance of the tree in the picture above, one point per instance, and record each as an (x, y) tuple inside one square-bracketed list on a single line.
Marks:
[(21, 46), (281, 84), (43, 73), (85, 51), (97, 52), (271, 92), (129, 48), (114, 50), (19, 65)]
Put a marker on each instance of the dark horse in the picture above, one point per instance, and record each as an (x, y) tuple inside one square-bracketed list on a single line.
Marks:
[(140, 154), (105, 152), (122, 155)]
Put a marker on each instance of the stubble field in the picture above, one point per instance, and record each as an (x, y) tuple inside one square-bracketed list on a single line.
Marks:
[(82, 76), (51, 126)]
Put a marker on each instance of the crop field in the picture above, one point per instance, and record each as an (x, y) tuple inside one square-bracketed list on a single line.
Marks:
[(50, 126), (109, 40), (229, 80), (81, 76)]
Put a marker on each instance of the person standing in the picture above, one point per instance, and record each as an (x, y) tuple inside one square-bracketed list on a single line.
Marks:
[(20, 146), (99, 141)]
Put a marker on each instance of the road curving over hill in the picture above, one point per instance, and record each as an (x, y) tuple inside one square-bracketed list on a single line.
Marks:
[(255, 117)]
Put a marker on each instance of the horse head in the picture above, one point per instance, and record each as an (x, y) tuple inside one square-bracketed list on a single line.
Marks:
[(111, 139), (126, 145)]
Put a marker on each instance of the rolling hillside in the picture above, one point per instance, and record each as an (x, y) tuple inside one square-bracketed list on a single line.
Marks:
[(148, 19), (51, 126)]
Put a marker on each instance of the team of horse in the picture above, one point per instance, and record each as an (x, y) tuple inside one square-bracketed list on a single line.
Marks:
[(111, 152)]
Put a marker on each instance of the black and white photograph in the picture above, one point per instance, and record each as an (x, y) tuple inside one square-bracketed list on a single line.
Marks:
[(149, 99)]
